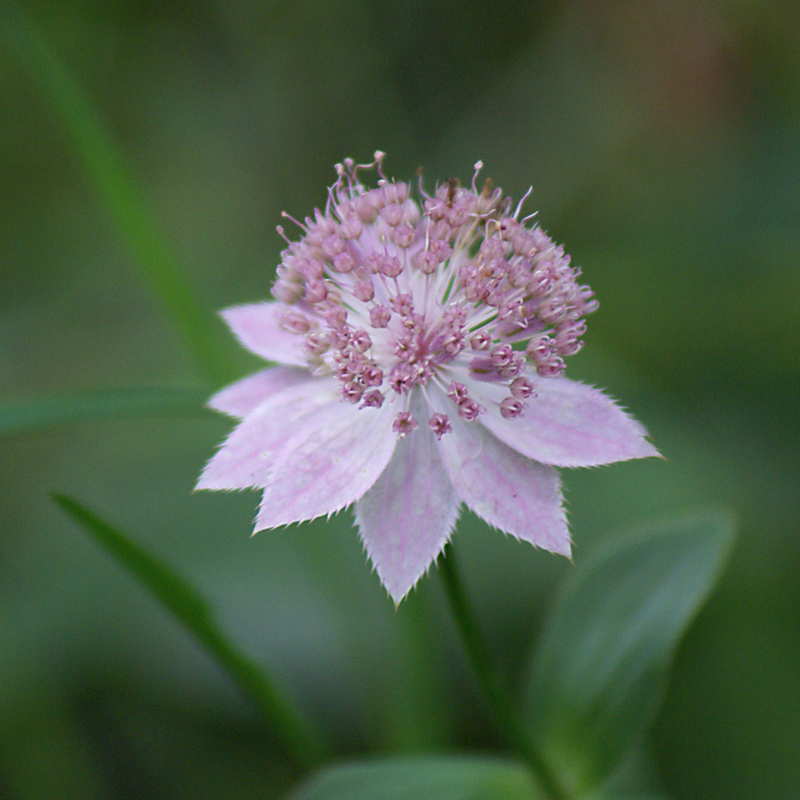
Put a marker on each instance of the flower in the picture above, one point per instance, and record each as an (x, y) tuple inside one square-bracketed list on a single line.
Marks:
[(421, 348)]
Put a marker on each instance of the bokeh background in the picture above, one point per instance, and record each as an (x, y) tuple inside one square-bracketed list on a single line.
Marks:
[(662, 143)]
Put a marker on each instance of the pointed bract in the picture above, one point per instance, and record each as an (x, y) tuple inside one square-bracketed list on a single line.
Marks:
[(246, 457), (259, 328), (568, 424), (244, 396), (406, 518), (333, 456), (507, 490)]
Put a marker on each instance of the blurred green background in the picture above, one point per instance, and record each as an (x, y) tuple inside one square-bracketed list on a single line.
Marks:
[(662, 141)]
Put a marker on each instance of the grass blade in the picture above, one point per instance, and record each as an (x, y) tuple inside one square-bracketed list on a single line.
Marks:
[(112, 176), (301, 742), (98, 406)]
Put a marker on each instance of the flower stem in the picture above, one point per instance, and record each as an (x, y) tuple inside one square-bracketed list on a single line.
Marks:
[(489, 680)]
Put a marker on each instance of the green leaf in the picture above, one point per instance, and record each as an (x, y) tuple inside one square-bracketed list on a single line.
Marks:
[(598, 675), (428, 778), (113, 178), (191, 609), (99, 406), (645, 795), (637, 796)]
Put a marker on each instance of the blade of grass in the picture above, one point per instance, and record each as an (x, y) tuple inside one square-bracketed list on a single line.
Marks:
[(99, 406), (113, 179), (301, 742)]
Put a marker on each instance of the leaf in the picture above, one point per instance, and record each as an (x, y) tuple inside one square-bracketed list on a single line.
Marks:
[(644, 795), (97, 406), (191, 609), (112, 176), (598, 674), (428, 778), (636, 796)]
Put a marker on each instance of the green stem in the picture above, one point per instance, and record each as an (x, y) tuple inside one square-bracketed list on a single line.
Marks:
[(489, 680)]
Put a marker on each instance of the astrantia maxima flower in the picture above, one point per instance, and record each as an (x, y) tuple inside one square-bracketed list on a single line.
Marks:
[(421, 347)]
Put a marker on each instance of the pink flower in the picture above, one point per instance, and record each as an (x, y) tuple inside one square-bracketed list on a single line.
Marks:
[(422, 351)]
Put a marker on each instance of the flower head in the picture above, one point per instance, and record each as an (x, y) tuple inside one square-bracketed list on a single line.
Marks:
[(422, 347)]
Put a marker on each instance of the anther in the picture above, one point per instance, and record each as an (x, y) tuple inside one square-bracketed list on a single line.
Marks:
[(404, 423), (481, 340), (364, 290), (372, 399), (352, 392), (510, 408), (440, 425), (379, 316), (521, 388), (360, 340)]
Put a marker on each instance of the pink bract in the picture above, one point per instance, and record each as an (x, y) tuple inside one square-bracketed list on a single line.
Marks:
[(422, 349)]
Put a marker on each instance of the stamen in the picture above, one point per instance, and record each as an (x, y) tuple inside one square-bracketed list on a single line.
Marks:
[(510, 408), (468, 409), (299, 224), (379, 316), (352, 392), (401, 378), (521, 388), (404, 423), (478, 167), (379, 156), (351, 287), (440, 425), (316, 291), (481, 340), (364, 290), (372, 399), (521, 201), (360, 340)]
